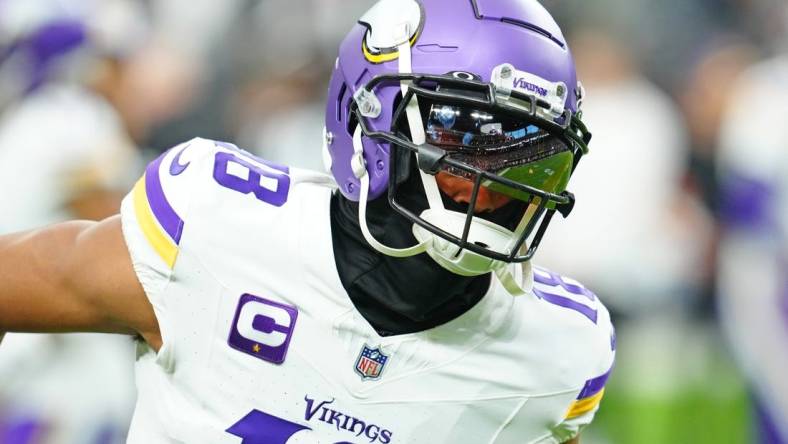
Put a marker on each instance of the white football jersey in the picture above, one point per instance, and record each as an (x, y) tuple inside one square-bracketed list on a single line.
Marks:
[(262, 344)]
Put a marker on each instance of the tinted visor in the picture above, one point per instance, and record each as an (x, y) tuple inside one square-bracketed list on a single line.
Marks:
[(497, 142)]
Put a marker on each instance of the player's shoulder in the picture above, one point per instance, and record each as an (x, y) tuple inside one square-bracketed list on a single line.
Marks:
[(574, 337), (203, 189), (570, 300), (576, 318), (220, 173)]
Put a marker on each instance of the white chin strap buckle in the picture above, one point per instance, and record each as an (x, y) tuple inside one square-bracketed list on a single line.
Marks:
[(449, 255), (517, 281)]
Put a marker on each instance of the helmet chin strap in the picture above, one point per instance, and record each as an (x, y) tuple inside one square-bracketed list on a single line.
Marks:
[(461, 261), (360, 171), (416, 126)]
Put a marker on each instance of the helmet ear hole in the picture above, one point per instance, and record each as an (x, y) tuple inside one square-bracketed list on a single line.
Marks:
[(399, 126), (352, 123), (403, 159), (340, 102)]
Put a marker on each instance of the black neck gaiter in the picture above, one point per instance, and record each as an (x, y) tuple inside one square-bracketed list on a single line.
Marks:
[(395, 295)]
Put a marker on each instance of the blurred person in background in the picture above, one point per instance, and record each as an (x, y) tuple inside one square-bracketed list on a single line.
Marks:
[(61, 138), (753, 255), (281, 107), (63, 153), (204, 36), (77, 88), (645, 142), (704, 97)]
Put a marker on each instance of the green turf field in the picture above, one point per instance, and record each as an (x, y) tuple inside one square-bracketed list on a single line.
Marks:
[(709, 405)]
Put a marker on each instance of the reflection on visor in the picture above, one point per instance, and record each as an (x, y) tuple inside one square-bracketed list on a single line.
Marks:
[(454, 127), (512, 148)]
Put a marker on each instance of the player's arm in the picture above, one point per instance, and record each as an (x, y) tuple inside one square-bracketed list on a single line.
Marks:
[(75, 276)]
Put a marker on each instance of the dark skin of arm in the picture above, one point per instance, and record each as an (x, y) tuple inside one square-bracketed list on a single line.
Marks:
[(75, 277)]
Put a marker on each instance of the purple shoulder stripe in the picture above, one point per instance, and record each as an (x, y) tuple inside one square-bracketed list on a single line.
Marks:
[(594, 386), (160, 206), (768, 432)]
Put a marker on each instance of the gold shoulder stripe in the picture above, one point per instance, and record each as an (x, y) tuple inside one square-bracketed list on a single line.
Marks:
[(160, 242), (584, 405)]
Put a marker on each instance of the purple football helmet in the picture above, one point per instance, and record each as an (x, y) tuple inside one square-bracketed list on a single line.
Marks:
[(481, 89)]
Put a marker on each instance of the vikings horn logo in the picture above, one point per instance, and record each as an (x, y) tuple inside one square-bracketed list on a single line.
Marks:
[(389, 24)]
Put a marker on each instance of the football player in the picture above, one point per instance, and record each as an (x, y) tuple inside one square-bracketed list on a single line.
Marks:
[(753, 285), (392, 301)]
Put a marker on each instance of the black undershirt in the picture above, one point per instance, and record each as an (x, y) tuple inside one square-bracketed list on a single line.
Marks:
[(395, 295)]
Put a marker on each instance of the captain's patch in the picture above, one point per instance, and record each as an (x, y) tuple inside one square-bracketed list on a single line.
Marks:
[(262, 328)]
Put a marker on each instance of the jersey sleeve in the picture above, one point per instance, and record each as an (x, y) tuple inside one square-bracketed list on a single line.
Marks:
[(154, 213), (583, 408)]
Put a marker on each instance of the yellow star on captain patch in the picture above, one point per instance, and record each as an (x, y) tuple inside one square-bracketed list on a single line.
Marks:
[(256, 348)]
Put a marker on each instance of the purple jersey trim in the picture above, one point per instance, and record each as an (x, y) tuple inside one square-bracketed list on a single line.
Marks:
[(747, 203), (768, 432), (565, 302), (784, 306), (782, 300), (107, 434), (613, 339), (21, 431), (594, 386), (160, 206)]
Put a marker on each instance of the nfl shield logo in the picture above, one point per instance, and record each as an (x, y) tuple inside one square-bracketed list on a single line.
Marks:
[(370, 362)]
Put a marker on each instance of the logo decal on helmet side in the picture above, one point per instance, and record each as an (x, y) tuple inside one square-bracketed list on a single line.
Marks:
[(370, 363), (389, 24)]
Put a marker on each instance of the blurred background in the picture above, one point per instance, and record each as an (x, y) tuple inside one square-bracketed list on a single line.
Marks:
[(680, 227)]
